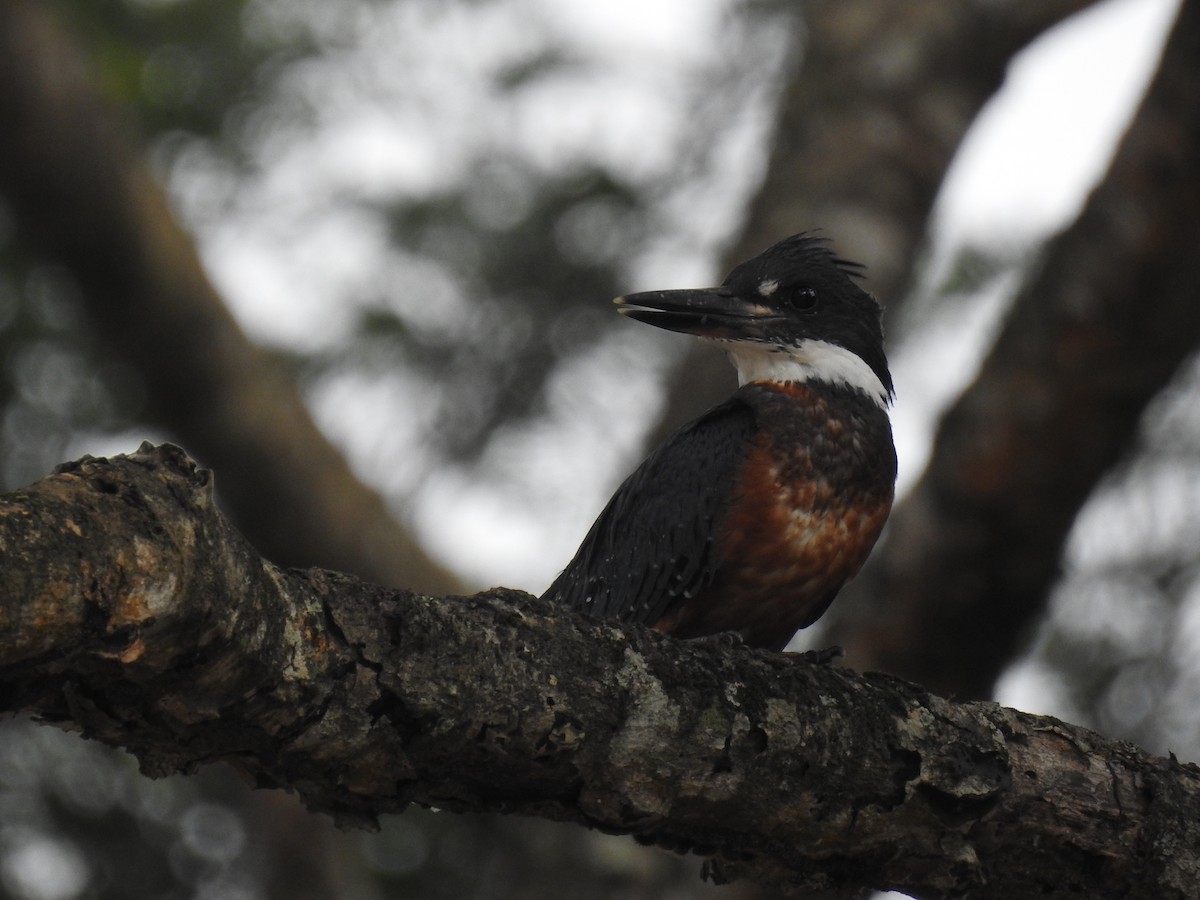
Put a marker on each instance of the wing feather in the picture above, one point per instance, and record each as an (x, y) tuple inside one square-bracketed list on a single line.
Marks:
[(653, 543)]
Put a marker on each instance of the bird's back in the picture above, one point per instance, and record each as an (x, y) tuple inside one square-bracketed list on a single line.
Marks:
[(651, 546)]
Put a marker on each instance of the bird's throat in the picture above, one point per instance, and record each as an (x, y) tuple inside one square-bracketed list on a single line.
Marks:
[(808, 361)]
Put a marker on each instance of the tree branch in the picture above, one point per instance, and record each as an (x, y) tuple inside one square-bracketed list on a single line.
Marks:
[(133, 612)]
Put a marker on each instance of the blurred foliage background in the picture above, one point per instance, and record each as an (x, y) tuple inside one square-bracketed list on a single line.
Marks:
[(418, 211)]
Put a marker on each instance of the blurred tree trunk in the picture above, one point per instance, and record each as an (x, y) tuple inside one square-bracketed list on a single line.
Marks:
[(1098, 330), (868, 126), (82, 195)]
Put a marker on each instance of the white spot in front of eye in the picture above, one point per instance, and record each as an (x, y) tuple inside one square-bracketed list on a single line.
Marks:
[(768, 287)]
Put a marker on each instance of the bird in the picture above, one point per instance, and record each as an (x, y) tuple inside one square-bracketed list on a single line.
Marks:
[(749, 520)]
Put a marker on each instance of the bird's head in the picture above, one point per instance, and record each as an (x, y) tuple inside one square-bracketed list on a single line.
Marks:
[(792, 313)]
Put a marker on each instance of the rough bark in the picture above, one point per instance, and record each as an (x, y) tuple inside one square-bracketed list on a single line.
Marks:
[(84, 198), (133, 612), (1100, 328)]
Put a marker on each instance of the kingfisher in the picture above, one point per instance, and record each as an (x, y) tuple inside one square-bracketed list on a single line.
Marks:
[(751, 518)]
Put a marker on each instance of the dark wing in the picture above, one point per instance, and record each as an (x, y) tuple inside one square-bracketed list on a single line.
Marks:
[(653, 542)]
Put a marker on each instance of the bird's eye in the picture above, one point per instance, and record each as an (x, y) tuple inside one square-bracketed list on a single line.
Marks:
[(802, 298)]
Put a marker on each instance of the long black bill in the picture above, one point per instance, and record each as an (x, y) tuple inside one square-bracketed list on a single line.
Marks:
[(706, 312)]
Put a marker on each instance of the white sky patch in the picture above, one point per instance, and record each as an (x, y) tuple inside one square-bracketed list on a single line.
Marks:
[(559, 119), (932, 366), (1036, 688), (1185, 645), (636, 31), (1159, 507), (286, 297), (373, 147), (388, 415), (548, 482), (1047, 136), (43, 867)]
